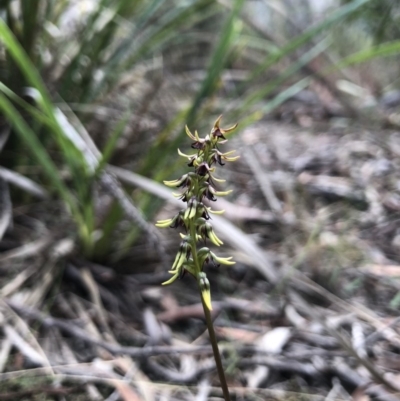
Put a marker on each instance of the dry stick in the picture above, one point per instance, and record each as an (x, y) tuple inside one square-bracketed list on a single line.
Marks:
[(375, 373), (263, 181), (112, 186), (5, 207), (115, 349)]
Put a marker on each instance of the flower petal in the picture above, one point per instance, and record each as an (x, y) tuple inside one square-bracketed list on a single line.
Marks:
[(185, 155), (228, 130), (179, 259), (213, 237), (164, 223), (189, 134), (222, 193), (171, 280), (223, 261), (215, 211)]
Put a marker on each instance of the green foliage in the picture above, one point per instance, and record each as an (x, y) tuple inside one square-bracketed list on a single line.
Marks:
[(97, 48), (380, 18)]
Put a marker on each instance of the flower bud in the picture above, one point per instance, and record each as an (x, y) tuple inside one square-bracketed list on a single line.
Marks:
[(204, 255), (203, 211), (204, 285), (191, 208), (177, 183), (218, 132), (182, 255), (205, 230)]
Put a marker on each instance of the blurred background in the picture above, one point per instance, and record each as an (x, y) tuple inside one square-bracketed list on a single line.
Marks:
[(94, 98)]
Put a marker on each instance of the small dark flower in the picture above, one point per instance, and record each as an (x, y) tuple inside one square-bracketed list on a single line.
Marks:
[(191, 161), (206, 256), (205, 230), (203, 212), (200, 144), (183, 254), (218, 156), (203, 169), (208, 193), (218, 132), (178, 221)]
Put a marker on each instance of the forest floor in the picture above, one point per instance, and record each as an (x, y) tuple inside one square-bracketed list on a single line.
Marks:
[(309, 311)]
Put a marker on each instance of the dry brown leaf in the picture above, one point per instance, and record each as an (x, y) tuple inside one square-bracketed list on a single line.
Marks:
[(244, 336), (383, 270), (359, 395), (125, 391)]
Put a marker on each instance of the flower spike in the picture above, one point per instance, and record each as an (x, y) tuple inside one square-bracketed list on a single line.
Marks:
[(199, 184), (196, 221)]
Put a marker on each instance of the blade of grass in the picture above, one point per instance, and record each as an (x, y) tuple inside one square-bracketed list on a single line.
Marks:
[(257, 95), (274, 103), (24, 63), (217, 61), (383, 50), (150, 39), (73, 154), (30, 25), (112, 143), (40, 153), (336, 16), (157, 159)]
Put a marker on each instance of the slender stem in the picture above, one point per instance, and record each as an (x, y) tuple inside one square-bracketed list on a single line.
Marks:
[(209, 322), (217, 356)]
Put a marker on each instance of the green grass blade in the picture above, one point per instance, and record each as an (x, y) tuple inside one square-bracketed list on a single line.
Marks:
[(156, 158), (336, 16), (30, 16), (33, 111), (112, 143), (217, 61), (274, 103), (24, 63), (148, 40), (257, 95), (72, 153), (39, 152), (383, 50)]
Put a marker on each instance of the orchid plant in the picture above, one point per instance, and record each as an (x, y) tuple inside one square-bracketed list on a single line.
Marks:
[(199, 187)]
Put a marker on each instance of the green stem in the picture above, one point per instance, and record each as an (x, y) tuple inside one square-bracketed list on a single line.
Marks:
[(209, 322), (214, 344)]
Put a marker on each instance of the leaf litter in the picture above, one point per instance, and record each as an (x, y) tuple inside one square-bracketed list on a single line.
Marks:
[(309, 311)]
